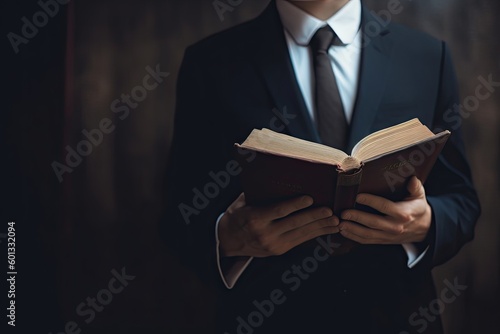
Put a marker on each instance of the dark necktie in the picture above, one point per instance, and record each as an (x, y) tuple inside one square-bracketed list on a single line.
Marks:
[(332, 123)]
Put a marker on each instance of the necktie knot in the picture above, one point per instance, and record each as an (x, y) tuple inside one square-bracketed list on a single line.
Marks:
[(322, 40)]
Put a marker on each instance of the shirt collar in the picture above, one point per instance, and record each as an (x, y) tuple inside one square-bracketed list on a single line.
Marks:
[(302, 26)]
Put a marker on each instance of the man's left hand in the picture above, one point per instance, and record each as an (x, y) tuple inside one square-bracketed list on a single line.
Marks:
[(404, 222)]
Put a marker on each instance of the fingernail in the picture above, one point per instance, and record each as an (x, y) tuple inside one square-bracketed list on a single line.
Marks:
[(307, 200), (360, 199)]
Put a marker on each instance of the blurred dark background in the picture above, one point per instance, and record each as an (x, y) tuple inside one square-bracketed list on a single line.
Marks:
[(104, 214)]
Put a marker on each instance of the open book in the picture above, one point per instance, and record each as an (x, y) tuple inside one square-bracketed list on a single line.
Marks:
[(379, 164)]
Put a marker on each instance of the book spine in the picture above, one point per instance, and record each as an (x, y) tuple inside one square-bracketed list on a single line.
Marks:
[(346, 191)]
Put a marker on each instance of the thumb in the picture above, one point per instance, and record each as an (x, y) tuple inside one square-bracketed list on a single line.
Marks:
[(415, 188), (239, 202)]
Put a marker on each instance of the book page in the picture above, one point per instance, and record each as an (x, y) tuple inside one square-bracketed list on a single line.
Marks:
[(391, 139), (267, 141)]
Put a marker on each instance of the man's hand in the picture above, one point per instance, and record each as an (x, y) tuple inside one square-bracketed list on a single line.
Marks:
[(273, 230), (404, 222)]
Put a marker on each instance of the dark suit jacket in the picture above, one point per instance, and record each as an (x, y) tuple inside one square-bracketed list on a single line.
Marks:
[(229, 84)]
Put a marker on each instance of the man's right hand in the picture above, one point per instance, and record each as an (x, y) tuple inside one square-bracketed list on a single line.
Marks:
[(272, 230)]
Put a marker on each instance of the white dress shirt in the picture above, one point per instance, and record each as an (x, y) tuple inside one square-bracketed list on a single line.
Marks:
[(345, 58), (299, 28)]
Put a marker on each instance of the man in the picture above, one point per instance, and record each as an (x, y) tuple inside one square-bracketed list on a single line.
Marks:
[(326, 71)]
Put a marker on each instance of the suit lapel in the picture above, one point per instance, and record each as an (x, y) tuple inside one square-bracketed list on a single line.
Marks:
[(375, 62), (272, 60)]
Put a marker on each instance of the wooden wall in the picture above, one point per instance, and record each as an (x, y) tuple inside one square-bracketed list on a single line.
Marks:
[(116, 194)]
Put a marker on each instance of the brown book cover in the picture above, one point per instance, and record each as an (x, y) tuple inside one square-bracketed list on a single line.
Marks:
[(272, 177)]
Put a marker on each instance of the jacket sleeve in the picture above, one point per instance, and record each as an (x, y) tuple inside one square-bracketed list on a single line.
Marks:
[(450, 191), (200, 181)]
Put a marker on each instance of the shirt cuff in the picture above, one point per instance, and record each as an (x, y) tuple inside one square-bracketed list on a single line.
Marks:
[(230, 269), (413, 254)]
